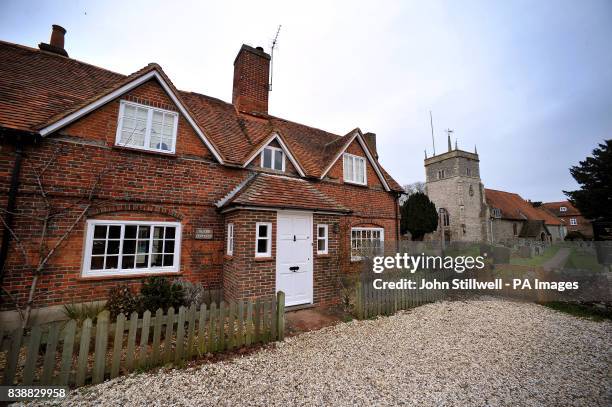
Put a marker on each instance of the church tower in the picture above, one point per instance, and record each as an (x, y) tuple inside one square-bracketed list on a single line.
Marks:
[(453, 184)]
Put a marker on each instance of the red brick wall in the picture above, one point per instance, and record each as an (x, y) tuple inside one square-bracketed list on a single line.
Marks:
[(244, 275)]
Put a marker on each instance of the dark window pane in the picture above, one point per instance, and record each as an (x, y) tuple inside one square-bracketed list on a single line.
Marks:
[(156, 260), (114, 232), (168, 260), (263, 230), (158, 246), (112, 247), (278, 160), (321, 232), (267, 158), (262, 246), (169, 248), (112, 262), (130, 231), (143, 232), (128, 262), (142, 261), (97, 263), (100, 232), (158, 232), (98, 247), (170, 232), (321, 245), (143, 246), (129, 246)]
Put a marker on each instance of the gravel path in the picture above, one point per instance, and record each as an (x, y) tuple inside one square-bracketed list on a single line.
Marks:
[(449, 353)]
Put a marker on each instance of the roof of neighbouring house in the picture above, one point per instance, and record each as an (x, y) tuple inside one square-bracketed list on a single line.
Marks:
[(38, 87), (278, 191), (512, 206), (555, 208)]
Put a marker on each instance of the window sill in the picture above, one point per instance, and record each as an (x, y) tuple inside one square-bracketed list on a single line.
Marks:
[(357, 184), (128, 276), (144, 150), (228, 257), (268, 258)]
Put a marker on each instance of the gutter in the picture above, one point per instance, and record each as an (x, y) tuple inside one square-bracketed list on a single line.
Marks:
[(10, 206)]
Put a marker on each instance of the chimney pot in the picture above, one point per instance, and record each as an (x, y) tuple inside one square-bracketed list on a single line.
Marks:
[(251, 80), (56, 43)]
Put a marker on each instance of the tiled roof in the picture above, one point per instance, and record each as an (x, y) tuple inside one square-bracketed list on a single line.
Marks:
[(553, 207), (512, 206), (38, 87), (278, 191)]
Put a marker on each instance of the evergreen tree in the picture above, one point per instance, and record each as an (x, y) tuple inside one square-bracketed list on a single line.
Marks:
[(419, 216), (594, 174)]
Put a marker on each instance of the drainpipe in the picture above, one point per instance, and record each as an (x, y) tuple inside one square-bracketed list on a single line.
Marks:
[(10, 207), (397, 222)]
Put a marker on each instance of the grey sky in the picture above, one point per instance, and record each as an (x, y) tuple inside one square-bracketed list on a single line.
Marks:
[(529, 82)]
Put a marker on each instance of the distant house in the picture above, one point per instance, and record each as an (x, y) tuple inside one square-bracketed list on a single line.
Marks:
[(571, 218), (514, 217)]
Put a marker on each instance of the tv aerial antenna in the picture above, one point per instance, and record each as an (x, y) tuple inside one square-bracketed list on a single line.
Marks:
[(274, 43)]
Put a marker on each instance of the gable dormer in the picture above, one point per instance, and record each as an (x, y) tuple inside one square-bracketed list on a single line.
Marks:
[(273, 155)]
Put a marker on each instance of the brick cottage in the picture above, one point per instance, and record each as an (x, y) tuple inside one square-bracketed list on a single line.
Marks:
[(158, 181)]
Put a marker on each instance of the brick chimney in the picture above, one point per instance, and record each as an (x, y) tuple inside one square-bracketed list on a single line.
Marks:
[(251, 76), (56, 43), (370, 138)]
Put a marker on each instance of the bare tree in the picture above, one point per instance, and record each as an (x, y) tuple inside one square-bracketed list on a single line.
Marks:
[(410, 189), (39, 250)]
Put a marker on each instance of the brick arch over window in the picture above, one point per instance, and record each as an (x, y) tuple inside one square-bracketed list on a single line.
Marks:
[(131, 207), (366, 225)]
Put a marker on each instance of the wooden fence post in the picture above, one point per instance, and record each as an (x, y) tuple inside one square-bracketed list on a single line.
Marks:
[(100, 347), (83, 353), (67, 351), (359, 299), (280, 315), (117, 345)]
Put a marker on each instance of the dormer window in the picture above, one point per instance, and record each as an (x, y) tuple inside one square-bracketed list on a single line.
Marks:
[(354, 169), (496, 212), (146, 128), (563, 209), (273, 158)]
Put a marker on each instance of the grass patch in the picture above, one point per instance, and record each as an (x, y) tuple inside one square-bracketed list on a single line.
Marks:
[(580, 260), (535, 261), (580, 310)]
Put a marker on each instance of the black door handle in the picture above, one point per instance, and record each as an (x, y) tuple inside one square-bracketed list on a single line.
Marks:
[(294, 268)]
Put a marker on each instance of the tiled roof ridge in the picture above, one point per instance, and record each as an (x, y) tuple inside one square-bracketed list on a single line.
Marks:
[(231, 195), (54, 55)]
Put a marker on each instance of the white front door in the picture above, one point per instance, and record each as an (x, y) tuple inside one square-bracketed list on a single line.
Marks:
[(294, 257)]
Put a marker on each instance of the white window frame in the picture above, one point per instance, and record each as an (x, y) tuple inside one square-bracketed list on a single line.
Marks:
[(562, 209), (147, 136), (573, 222), (274, 151), (356, 229), (324, 239), (496, 212), (353, 175), (268, 238), (230, 239), (89, 238)]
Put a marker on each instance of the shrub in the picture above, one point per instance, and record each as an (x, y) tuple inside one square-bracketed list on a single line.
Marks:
[(194, 293), (121, 299), (158, 292), (80, 312)]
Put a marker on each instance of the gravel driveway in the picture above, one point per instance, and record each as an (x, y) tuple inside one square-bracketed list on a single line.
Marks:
[(450, 353)]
